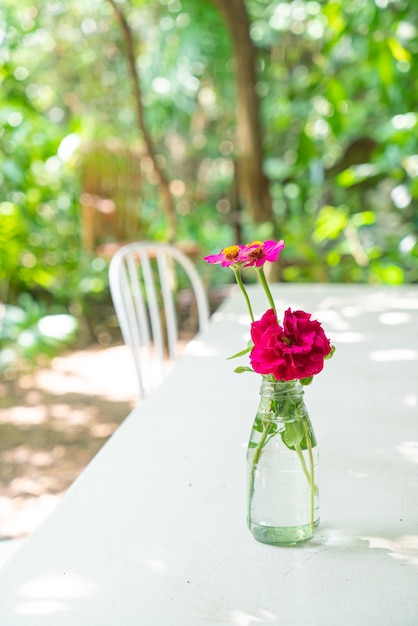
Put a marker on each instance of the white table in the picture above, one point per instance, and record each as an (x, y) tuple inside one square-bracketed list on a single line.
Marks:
[(153, 533)]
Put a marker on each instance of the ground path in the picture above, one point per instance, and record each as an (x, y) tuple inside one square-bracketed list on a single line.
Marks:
[(52, 423)]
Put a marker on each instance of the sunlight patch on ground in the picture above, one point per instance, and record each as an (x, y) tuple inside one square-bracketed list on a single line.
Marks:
[(109, 373), (410, 400), (394, 354), (241, 618), (347, 337), (19, 516), (46, 596), (393, 318), (52, 423), (409, 451), (403, 548), (23, 415)]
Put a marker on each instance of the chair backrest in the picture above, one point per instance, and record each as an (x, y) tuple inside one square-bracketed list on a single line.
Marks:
[(144, 279)]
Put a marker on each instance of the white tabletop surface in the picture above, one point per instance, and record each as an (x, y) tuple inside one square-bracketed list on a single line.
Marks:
[(153, 533)]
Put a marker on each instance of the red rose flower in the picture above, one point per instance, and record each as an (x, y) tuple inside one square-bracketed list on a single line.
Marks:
[(292, 351)]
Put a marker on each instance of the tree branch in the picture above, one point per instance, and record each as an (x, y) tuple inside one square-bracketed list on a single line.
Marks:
[(252, 181), (163, 184)]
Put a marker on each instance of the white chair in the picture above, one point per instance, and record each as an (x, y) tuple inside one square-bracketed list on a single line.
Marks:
[(143, 279)]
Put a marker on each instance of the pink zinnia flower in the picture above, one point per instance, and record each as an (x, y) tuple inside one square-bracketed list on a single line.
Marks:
[(227, 257), (257, 253), (293, 351)]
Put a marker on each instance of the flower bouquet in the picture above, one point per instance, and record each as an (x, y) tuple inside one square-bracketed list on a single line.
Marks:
[(283, 505)]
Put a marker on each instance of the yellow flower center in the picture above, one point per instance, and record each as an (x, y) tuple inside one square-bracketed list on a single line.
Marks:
[(256, 252), (231, 252)]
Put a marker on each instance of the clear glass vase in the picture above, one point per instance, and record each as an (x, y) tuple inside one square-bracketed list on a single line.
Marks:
[(282, 460)]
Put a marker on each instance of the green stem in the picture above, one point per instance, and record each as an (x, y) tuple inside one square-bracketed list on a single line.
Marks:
[(312, 476), (238, 278), (264, 283), (255, 460), (303, 463)]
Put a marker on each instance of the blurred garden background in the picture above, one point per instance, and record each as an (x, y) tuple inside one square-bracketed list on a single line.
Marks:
[(199, 122)]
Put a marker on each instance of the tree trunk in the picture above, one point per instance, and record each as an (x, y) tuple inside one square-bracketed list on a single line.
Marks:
[(252, 182), (163, 184)]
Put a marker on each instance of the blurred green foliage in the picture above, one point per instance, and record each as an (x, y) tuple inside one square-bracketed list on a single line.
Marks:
[(337, 84)]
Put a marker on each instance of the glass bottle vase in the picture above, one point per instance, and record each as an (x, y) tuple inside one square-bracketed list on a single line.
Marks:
[(282, 465)]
